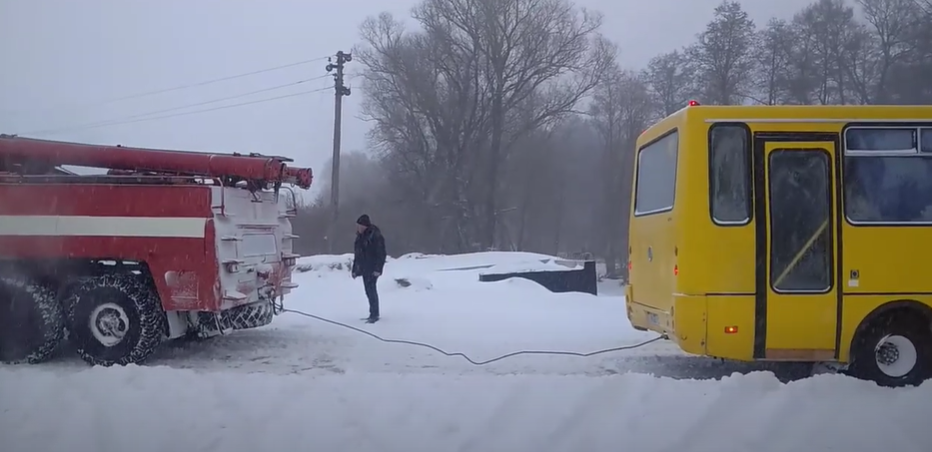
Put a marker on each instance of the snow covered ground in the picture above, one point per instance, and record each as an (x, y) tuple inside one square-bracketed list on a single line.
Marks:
[(301, 384)]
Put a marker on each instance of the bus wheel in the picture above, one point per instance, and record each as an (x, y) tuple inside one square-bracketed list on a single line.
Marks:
[(894, 350)]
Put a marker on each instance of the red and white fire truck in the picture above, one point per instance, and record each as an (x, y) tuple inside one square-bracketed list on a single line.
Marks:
[(156, 245)]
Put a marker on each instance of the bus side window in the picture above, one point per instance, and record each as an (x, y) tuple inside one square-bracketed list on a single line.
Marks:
[(729, 174), (888, 175)]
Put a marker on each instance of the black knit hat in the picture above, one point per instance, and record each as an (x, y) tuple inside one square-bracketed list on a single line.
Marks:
[(364, 220)]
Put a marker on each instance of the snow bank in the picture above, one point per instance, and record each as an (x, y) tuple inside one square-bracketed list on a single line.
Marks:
[(434, 262), (414, 283), (417, 256), (325, 263), (409, 270), (453, 310), (157, 409), (534, 265), (486, 260), (490, 262)]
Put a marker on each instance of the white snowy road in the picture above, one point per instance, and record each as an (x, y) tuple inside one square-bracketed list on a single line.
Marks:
[(166, 409), (301, 383)]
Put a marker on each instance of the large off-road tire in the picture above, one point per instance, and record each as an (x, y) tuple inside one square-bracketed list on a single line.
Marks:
[(32, 322), (115, 319), (893, 350), (251, 315)]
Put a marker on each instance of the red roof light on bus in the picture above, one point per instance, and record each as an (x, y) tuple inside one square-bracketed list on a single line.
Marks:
[(693, 103)]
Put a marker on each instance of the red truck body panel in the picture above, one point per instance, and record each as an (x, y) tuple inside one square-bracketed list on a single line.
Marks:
[(164, 213)]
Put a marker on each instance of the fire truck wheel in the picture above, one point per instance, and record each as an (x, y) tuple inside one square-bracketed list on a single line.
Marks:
[(251, 315), (115, 319), (32, 323)]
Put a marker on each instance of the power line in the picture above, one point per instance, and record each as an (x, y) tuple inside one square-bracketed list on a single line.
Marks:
[(203, 83), (237, 96), (224, 107), (221, 79), (181, 107)]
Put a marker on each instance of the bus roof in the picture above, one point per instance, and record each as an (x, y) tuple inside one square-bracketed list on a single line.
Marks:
[(788, 114)]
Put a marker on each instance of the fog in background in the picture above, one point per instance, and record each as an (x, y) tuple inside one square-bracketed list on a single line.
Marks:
[(63, 60), (473, 124)]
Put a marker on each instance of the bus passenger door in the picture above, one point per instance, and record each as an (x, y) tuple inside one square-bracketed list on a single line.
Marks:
[(796, 309)]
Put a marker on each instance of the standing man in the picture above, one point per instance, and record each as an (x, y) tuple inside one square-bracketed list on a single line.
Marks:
[(368, 261)]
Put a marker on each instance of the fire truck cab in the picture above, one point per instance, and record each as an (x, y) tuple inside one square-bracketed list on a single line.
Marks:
[(159, 245)]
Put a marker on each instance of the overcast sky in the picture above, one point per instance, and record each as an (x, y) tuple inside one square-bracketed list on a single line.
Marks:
[(63, 60)]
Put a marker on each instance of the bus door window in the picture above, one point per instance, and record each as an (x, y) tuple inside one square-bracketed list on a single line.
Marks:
[(800, 214)]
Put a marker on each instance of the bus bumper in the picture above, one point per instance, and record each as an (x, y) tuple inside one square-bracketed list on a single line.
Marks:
[(684, 324), (720, 326)]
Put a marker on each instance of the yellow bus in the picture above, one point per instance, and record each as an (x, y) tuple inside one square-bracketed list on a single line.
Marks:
[(788, 233)]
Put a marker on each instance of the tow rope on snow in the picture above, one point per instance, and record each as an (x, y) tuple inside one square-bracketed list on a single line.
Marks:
[(280, 309)]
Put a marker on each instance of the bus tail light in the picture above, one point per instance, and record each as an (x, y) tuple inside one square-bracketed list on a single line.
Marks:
[(676, 270), (731, 330)]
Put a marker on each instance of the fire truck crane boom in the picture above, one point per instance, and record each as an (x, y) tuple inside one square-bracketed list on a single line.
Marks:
[(250, 167), (298, 176)]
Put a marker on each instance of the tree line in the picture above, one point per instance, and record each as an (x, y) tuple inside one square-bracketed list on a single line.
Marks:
[(510, 124)]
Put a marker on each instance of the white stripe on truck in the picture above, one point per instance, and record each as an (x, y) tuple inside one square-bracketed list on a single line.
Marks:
[(83, 226)]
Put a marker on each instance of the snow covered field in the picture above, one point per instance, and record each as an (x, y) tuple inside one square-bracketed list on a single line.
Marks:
[(301, 384)]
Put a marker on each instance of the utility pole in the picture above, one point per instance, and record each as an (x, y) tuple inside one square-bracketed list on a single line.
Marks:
[(339, 91)]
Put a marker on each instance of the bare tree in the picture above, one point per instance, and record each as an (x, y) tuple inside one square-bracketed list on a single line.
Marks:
[(545, 51), (671, 80), (621, 109), (723, 55), (890, 22), (362, 176), (907, 78), (533, 192), (429, 115), (829, 31), (773, 54)]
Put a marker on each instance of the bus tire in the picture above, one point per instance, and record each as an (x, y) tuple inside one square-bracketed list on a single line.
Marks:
[(894, 350)]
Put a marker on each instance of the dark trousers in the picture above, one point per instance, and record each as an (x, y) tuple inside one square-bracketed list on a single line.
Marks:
[(372, 293)]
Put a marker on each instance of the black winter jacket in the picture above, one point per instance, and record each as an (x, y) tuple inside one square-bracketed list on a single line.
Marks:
[(369, 252)]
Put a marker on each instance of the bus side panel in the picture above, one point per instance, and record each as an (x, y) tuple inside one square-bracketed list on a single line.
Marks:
[(887, 259), (691, 190), (720, 260), (731, 327), (689, 318), (652, 260), (717, 259), (653, 236)]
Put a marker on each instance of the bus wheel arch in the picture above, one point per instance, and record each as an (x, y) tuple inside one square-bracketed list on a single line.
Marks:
[(892, 345)]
